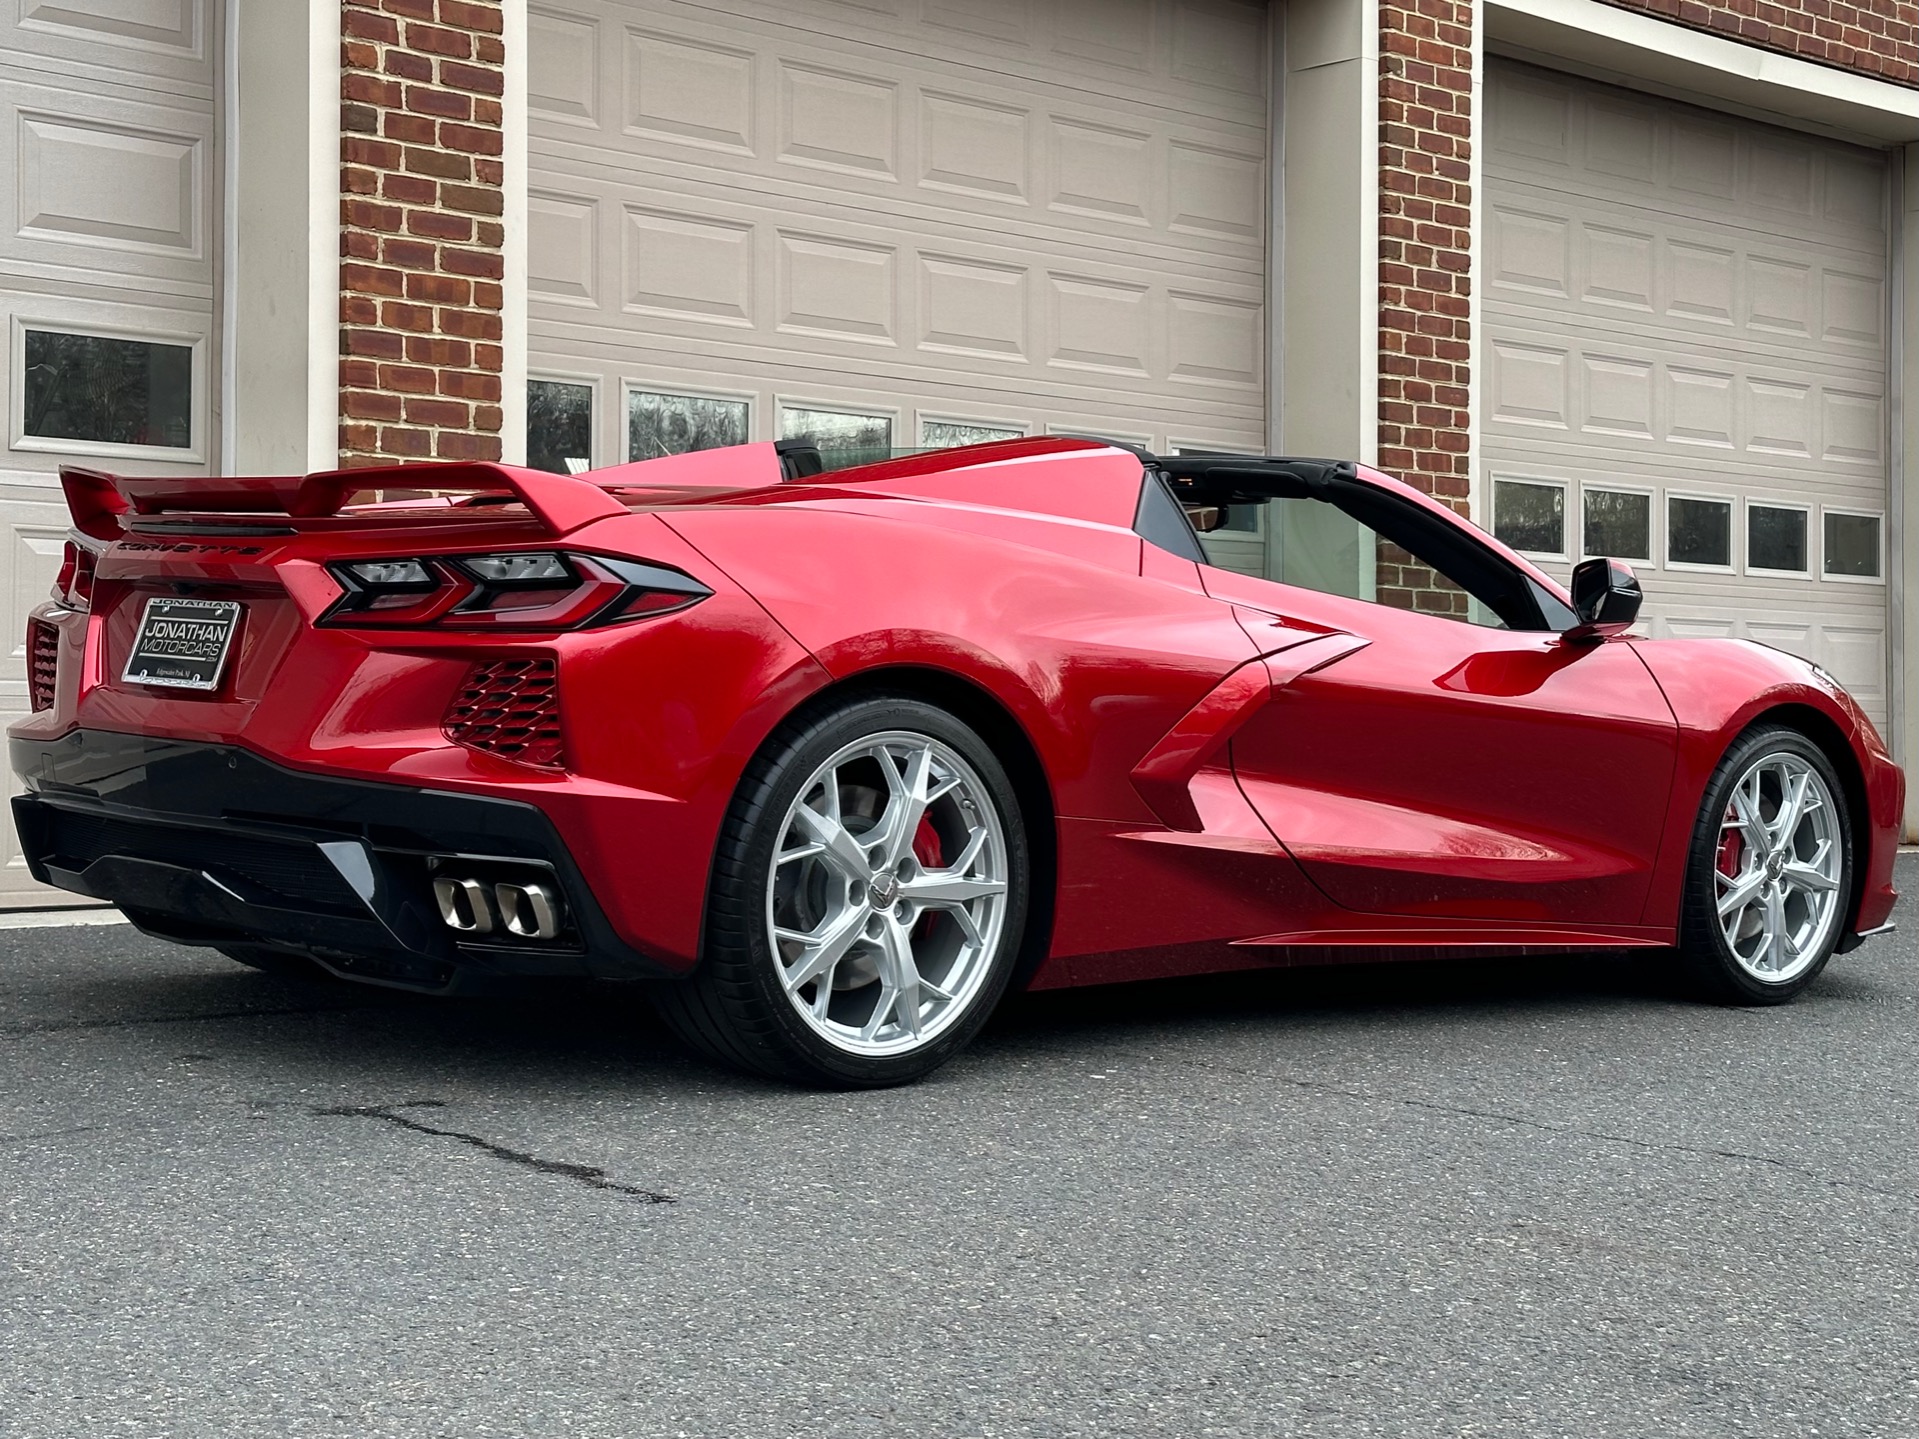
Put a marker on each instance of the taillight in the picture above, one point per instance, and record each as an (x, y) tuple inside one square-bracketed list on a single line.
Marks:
[(43, 662), (543, 590), (74, 584)]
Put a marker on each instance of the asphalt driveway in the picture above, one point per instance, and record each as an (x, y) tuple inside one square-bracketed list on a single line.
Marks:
[(1534, 1199)]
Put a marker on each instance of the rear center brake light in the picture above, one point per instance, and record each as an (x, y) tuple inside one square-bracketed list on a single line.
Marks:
[(543, 590)]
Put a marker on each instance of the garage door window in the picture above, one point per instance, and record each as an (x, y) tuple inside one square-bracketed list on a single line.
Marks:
[(1852, 546), (1530, 516), (1699, 532), (1776, 538), (665, 424), (559, 426), (1618, 524), (945, 434), (844, 437), (102, 390)]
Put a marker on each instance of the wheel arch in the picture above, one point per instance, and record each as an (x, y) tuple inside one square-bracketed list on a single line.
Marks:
[(1825, 732), (984, 712)]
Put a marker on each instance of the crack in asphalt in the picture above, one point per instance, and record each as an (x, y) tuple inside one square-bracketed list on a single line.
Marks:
[(1520, 1120), (62, 1026), (590, 1175)]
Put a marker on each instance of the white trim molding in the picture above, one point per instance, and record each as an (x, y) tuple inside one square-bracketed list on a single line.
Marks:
[(513, 287), (1644, 52)]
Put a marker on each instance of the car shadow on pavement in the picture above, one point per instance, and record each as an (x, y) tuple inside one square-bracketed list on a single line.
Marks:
[(602, 1030)]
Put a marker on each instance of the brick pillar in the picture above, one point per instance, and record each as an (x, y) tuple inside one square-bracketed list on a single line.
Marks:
[(1425, 268), (420, 230)]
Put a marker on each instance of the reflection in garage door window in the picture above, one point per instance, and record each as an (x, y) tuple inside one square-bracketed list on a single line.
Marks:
[(1776, 538), (844, 438), (945, 434), (1699, 532), (1618, 524), (1852, 545), (1530, 516), (108, 391), (559, 426), (660, 424)]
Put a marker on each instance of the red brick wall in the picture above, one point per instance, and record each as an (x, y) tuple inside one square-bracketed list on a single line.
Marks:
[(1877, 37), (1425, 267), (420, 230)]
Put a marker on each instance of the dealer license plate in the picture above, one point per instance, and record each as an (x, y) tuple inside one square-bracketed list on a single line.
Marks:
[(182, 643)]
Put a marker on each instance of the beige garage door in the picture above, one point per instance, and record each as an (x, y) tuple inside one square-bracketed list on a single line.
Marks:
[(896, 223), (1685, 363), (108, 222)]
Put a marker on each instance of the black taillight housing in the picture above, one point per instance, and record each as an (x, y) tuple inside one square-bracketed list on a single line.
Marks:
[(538, 590)]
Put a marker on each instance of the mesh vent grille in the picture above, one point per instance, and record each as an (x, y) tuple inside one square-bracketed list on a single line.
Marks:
[(43, 662), (510, 708)]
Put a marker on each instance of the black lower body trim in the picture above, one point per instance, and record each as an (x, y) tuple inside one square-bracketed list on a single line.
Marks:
[(211, 844)]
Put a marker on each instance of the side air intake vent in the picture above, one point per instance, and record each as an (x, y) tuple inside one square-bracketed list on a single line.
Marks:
[(510, 708)]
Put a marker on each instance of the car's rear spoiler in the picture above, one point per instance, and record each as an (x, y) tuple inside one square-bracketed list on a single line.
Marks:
[(100, 502)]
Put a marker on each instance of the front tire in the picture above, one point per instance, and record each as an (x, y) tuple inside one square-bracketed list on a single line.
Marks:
[(869, 895), (1769, 874)]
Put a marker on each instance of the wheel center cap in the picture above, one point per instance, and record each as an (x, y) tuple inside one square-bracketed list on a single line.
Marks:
[(1775, 865), (884, 891)]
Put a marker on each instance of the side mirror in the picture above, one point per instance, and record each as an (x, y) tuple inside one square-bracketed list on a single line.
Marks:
[(1606, 597)]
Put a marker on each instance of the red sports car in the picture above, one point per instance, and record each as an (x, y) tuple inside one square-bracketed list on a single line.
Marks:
[(834, 759)]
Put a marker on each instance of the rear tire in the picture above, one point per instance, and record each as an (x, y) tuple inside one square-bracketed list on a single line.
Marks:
[(1769, 873), (868, 898)]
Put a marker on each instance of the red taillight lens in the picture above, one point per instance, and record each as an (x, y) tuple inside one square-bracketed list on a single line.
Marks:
[(510, 708), (43, 662), (74, 585), (536, 590)]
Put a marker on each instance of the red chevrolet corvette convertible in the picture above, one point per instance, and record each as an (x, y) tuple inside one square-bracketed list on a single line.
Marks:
[(834, 759)]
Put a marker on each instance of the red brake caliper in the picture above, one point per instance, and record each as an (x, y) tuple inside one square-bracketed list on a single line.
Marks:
[(1732, 849), (928, 850), (926, 845)]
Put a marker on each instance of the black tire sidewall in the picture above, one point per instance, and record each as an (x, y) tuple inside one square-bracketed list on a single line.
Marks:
[(1702, 942), (754, 827)]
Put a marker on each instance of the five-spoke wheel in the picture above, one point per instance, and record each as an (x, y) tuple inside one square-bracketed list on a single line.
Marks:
[(1771, 870)]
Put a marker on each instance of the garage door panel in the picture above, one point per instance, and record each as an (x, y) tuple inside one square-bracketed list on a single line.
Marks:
[(1690, 309), (691, 270), (1626, 393), (1071, 176), (108, 232), (1606, 147), (1622, 266), (935, 215), (100, 181)]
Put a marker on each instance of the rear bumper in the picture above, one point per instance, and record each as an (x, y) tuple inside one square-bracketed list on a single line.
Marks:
[(211, 844)]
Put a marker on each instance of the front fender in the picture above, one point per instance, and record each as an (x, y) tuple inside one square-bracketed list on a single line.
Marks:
[(1720, 688)]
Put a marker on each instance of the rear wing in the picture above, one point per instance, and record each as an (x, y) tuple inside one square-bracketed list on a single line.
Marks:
[(100, 502)]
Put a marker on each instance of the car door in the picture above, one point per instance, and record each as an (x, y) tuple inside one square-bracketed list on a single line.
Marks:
[(1451, 770)]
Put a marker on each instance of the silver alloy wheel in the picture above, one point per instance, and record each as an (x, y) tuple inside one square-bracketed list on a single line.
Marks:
[(887, 893), (1777, 868)]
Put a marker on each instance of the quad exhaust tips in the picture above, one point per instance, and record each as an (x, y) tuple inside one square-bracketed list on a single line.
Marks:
[(524, 909)]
